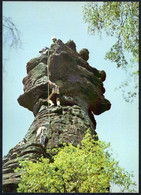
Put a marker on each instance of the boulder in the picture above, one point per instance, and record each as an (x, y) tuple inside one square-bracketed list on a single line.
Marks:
[(84, 53), (71, 44)]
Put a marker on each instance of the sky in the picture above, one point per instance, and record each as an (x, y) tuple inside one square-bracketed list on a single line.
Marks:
[(38, 22)]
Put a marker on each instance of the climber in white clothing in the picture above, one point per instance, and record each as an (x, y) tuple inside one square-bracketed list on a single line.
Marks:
[(40, 132), (54, 39)]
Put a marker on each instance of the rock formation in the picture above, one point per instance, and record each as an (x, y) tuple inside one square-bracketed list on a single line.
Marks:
[(81, 97)]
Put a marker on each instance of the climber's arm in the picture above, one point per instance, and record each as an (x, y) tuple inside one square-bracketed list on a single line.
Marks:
[(52, 84)]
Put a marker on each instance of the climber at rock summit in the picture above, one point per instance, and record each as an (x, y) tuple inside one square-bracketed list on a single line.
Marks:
[(43, 51), (54, 39), (53, 98)]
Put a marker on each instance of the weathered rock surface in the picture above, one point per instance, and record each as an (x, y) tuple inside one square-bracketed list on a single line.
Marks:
[(81, 96), (75, 77), (30, 151), (64, 124)]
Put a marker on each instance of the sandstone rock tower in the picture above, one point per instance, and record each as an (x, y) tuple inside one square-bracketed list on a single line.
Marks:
[(81, 97)]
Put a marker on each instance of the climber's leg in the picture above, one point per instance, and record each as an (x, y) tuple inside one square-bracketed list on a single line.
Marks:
[(58, 101), (51, 103), (49, 99)]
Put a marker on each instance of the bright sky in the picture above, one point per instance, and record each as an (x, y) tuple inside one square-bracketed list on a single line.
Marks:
[(39, 22)]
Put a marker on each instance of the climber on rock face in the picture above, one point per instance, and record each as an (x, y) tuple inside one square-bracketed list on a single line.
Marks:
[(40, 132), (42, 139), (53, 98)]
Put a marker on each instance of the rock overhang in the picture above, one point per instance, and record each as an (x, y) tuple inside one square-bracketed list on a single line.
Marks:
[(75, 77)]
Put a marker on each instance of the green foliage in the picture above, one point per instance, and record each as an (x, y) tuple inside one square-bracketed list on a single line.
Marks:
[(87, 168), (118, 19)]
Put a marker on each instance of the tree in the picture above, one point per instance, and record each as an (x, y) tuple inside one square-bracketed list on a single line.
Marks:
[(87, 168), (11, 39), (121, 20), (11, 34)]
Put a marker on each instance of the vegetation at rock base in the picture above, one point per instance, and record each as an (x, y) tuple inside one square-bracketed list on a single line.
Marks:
[(119, 20), (86, 168)]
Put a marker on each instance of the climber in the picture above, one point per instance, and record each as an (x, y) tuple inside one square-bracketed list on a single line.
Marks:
[(54, 39), (43, 51), (39, 131), (58, 47), (53, 98), (43, 138)]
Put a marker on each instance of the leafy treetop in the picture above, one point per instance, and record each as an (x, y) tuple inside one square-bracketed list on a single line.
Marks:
[(87, 168), (121, 20)]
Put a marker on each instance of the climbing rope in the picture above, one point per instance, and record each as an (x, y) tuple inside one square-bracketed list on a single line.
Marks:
[(48, 84), (48, 75)]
